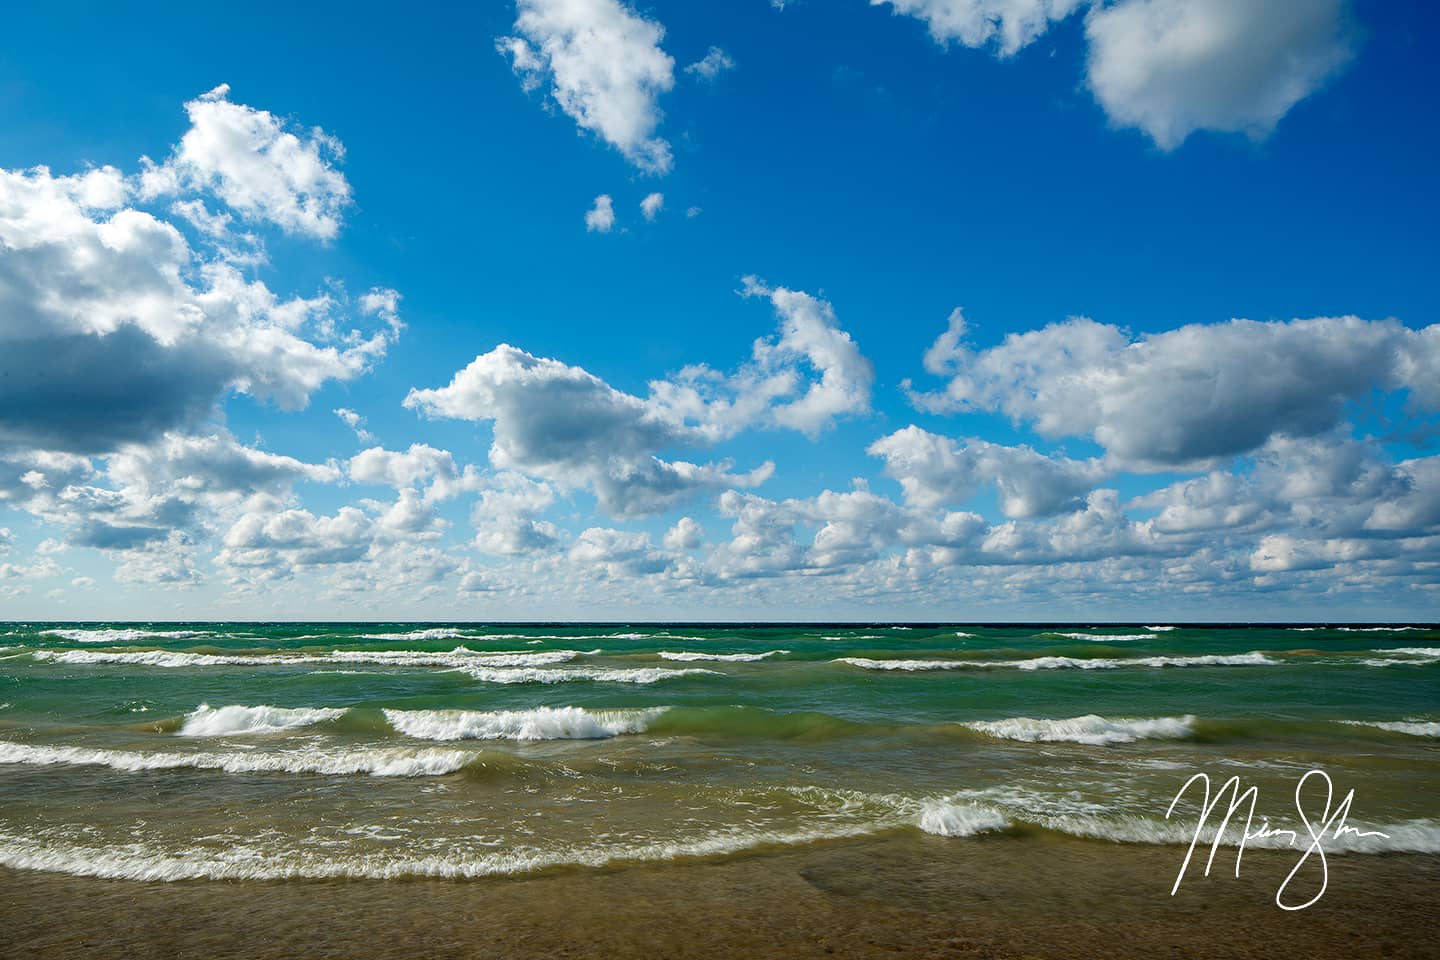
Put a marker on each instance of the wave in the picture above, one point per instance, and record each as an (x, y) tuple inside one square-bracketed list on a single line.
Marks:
[(208, 721), (459, 657), (686, 656), (541, 723), (1409, 836), (1163, 628), (1380, 629), (1431, 653), (125, 635), (946, 819), (1254, 658), (139, 862), (374, 761), (1104, 637), (1090, 729), (1415, 728), (434, 633), (644, 675)]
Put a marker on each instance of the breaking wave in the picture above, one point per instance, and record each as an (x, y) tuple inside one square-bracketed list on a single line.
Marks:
[(375, 761), (1091, 729), (208, 721), (1254, 658), (541, 723), (686, 656)]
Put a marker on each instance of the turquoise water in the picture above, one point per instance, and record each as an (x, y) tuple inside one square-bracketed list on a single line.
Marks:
[(172, 751)]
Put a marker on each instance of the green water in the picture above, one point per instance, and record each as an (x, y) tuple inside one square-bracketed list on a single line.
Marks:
[(170, 751)]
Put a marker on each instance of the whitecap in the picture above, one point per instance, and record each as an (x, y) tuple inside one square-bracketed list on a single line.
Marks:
[(1105, 637), (947, 819), (645, 675), (1415, 728), (1090, 729), (686, 656), (540, 723), (1254, 658), (128, 634), (208, 721)]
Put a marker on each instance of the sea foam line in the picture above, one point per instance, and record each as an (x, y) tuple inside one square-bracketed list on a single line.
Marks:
[(138, 862), (377, 762)]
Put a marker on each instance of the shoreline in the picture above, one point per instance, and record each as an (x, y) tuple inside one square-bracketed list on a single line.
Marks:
[(908, 895)]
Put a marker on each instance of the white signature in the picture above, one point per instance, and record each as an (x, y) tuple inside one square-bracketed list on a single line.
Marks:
[(1330, 823)]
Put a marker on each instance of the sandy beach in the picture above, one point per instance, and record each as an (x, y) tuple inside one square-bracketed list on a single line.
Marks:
[(904, 895)]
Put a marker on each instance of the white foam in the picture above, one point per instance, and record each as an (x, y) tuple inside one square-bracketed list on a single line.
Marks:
[(1430, 653), (947, 819), (434, 633), (962, 633), (1409, 836), (541, 723), (1090, 729), (208, 721), (686, 656), (135, 861), (375, 761), (1379, 629), (646, 675), (129, 634), (460, 656), (1254, 658), (1163, 628), (1106, 637), (907, 665), (165, 658), (1415, 728)]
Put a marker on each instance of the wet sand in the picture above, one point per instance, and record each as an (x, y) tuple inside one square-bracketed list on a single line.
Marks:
[(904, 895)]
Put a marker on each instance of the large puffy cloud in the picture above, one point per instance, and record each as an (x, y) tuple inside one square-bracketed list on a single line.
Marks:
[(114, 329), (567, 426), (1186, 395), (605, 68), (1009, 24), (804, 378), (252, 164), (935, 471), (1171, 67)]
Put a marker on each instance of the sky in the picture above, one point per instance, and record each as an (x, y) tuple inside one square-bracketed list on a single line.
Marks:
[(818, 309)]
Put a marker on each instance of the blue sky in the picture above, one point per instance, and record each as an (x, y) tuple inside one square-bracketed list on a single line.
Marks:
[(743, 402)]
